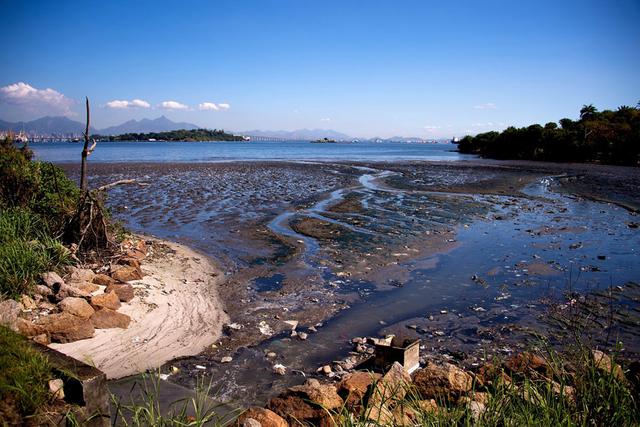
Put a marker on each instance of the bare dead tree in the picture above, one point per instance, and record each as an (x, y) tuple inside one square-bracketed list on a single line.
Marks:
[(85, 153)]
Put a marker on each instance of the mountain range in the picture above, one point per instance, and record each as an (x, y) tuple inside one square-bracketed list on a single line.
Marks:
[(64, 125)]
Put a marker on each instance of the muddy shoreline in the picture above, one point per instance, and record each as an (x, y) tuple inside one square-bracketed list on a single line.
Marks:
[(304, 241)]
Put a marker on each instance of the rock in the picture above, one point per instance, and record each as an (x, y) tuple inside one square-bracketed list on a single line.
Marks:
[(65, 327), (76, 306), (105, 318), (42, 291), (265, 417), (137, 250), (524, 362), (279, 369), (104, 280), (26, 303), (127, 274), (250, 422), (82, 279), (27, 328), (326, 369), (388, 391), (477, 409), (307, 404), (226, 359), (125, 291), (489, 374), (129, 262), (442, 382), (9, 311), (603, 363), (52, 280), (66, 291), (43, 339), (303, 336), (110, 301), (56, 388)]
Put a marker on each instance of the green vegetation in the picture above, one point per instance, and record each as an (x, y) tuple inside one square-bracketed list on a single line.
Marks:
[(24, 376), (179, 135), (145, 408), (611, 137)]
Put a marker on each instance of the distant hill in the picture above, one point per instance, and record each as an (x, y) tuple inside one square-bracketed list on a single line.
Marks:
[(48, 126), (161, 124), (300, 134)]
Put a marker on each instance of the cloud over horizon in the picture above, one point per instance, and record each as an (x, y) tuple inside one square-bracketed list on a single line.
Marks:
[(32, 100), (210, 106), (487, 105), (173, 105), (126, 105)]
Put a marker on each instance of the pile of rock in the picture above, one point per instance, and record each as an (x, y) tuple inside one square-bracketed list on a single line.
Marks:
[(70, 309), (397, 398)]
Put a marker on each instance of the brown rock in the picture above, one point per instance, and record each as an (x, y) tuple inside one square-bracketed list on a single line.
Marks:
[(489, 374), (104, 280), (52, 280), (65, 327), (125, 292), (66, 291), (264, 416), (105, 318), (76, 306), (353, 387), (9, 311), (108, 300), (525, 362), (27, 303), (127, 274), (442, 382), (603, 363), (80, 276), (307, 403), (138, 250), (27, 328), (389, 390), (42, 290), (43, 339), (128, 261)]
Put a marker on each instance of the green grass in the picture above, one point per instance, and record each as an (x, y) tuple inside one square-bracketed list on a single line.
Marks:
[(26, 250), (24, 375)]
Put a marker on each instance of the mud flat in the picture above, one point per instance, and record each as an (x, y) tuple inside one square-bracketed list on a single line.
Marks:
[(457, 254)]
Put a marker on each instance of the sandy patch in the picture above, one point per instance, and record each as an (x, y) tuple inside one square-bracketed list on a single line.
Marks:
[(176, 312)]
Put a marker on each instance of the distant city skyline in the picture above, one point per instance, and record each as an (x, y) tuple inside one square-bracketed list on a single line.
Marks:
[(367, 69)]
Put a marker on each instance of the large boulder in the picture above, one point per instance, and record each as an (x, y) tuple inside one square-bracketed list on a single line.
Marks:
[(76, 306), (63, 291), (105, 318), (65, 327), (107, 300), (604, 364), (444, 381), (386, 393), (28, 329), (124, 291), (264, 416), (307, 404)]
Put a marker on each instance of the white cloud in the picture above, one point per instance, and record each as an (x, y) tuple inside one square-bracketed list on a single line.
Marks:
[(483, 124), (32, 100), (209, 106), (172, 105), (126, 105), (325, 120), (487, 105), (296, 111), (432, 128)]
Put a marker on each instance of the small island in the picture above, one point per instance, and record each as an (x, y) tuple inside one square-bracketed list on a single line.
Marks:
[(323, 141), (180, 135)]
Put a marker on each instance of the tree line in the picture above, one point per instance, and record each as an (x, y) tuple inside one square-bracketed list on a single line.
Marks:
[(611, 137), (176, 135)]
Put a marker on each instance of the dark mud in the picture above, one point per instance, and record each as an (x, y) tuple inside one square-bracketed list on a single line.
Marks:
[(471, 257)]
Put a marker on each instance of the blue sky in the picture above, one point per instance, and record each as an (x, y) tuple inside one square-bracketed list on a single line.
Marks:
[(430, 69)]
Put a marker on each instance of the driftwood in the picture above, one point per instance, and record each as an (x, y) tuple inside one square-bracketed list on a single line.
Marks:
[(122, 181)]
